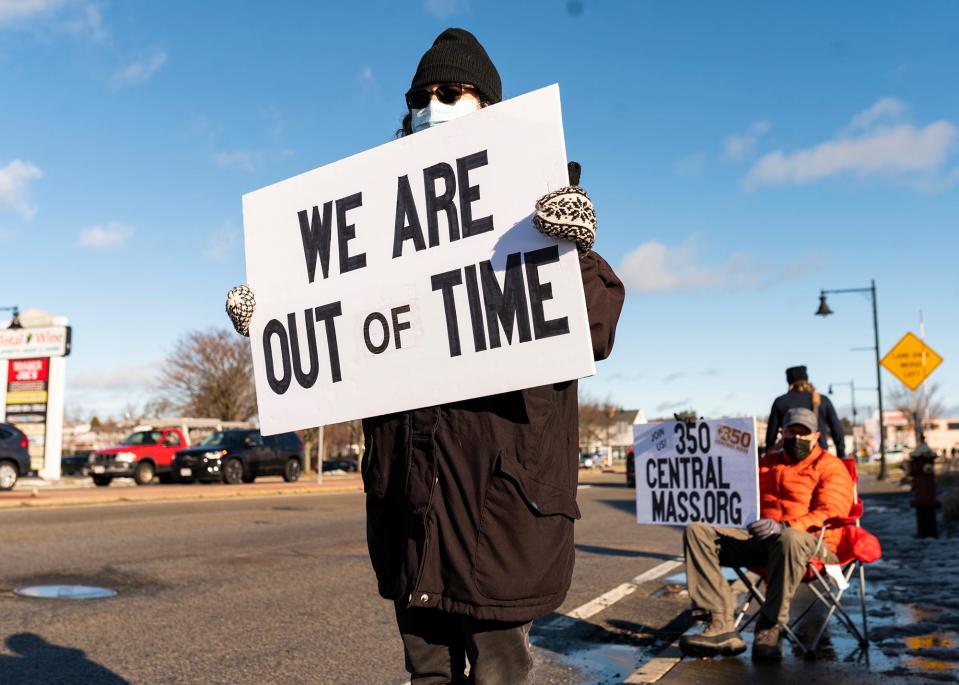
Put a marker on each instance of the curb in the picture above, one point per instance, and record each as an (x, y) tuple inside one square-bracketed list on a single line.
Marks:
[(121, 498)]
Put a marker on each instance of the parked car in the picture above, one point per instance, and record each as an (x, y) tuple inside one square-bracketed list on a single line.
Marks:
[(142, 456), (896, 454), (14, 458), (630, 469), (75, 464), (345, 465), (240, 456), (586, 461)]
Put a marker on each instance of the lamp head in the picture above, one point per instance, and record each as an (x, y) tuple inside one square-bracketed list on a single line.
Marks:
[(824, 309)]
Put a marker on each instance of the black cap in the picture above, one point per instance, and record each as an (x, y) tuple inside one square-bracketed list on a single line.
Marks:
[(796, 373), (457, 57)]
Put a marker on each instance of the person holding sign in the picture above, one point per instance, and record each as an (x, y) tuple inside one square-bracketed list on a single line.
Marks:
[(471, 504), (800, 488)]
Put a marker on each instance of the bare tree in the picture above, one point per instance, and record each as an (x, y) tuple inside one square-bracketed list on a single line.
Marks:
[(595, 419), (916, 405), (210, 374)]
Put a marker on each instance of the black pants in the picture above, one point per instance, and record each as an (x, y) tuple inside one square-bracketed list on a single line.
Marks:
[(438, 645)]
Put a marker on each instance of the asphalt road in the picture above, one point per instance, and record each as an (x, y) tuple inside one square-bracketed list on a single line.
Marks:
[(280, 590)]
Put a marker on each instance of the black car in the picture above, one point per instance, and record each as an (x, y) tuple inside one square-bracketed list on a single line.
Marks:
[(75, 465), (14, 458), (240, 456), (346, 465), (630, 469)]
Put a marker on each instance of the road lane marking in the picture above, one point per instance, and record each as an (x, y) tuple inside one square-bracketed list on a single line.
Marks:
[(606, 600), (654, 669)]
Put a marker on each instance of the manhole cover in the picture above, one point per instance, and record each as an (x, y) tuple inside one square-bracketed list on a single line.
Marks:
[(64, 591)]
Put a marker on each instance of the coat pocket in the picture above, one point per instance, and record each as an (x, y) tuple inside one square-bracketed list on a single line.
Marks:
[(524, 548)]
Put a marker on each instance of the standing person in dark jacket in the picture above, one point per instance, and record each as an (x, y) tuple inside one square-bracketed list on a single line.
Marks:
[(470, 505), (803, 395)]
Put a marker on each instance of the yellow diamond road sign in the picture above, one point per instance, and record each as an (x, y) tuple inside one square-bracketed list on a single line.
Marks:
[(911, 361)]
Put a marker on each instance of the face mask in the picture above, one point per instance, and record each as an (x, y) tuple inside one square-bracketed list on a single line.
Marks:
[(439, 113), (797, 449)]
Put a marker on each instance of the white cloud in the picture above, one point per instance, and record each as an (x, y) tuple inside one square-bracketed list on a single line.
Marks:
[(670, 405), (6, 235), (53, 17), (235, 159), (275, 121), (741, 145), (656, 267), (88, 21), (885, 109), (222, 242), (19, 10), (875, 143), (109, 235), (690, 165), (117, 378), (139, 72), (441, 9), (14, 180)]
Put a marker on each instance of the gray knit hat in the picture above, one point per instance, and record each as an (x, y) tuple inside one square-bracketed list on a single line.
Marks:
[(457, 57)]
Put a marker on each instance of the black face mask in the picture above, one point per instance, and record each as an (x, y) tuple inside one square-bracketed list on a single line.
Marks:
[(797, 449)]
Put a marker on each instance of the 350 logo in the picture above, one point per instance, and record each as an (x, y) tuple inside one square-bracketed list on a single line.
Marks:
[(735, 438)]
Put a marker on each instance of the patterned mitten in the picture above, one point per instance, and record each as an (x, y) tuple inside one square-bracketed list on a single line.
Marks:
[(239, 306), (568, 214)]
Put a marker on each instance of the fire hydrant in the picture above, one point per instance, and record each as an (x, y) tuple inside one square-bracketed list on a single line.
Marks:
[(922, 468)]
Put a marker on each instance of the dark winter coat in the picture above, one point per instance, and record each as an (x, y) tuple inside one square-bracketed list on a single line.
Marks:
[(829, 423), (470, 505)]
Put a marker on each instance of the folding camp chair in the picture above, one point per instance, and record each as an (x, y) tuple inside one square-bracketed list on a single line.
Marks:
[(857, 548)]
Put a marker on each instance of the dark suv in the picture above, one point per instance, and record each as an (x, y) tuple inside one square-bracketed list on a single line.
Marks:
[(240, 456), (14, 458)]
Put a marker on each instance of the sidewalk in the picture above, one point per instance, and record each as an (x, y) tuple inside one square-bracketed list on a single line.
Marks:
[(82, 492), (913, 612)]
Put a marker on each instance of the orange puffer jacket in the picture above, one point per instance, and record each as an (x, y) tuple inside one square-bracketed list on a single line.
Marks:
[(805, 494)]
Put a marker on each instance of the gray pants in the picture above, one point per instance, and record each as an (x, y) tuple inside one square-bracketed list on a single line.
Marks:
[(784, 557), (437, 646)]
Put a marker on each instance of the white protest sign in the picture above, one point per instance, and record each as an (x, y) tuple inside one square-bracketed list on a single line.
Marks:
[(703, 471), (411, 274)]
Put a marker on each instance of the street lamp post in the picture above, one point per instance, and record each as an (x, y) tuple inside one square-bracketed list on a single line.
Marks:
[(852, 390), (15, 320), (824, 311)]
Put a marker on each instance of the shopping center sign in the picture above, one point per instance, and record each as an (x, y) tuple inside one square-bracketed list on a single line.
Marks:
[(27, 343)]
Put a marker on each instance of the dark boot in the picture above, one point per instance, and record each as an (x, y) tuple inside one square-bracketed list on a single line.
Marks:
[(719, 639), (767, 645)]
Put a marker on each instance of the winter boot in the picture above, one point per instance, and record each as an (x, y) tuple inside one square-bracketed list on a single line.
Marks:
[(767, 645), (719, 639)]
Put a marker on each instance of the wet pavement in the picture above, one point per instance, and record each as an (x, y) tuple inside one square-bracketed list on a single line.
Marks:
[(912, 610)]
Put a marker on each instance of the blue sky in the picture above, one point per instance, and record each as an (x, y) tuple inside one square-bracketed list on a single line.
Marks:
[(741, 156)]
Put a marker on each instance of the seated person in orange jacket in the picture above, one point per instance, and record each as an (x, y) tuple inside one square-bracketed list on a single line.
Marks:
[(800, 488)]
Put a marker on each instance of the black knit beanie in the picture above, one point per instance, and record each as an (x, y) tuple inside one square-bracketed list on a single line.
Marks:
[(796, 373), (457, 57)]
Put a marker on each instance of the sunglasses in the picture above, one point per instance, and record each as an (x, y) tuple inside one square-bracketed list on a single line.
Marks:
[(447, 93)]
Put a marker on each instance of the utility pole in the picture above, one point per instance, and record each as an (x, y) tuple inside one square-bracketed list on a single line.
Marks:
[(319, 455)]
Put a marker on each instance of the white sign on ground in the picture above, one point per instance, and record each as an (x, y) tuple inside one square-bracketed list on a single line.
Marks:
[(411, 274), (701, 471)]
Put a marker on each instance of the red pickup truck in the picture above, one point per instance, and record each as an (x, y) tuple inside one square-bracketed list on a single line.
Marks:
[(143, 456)]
